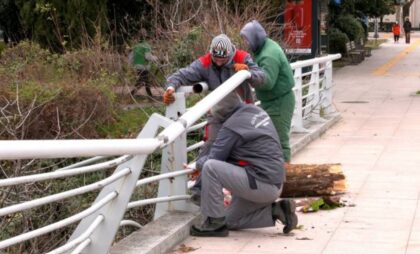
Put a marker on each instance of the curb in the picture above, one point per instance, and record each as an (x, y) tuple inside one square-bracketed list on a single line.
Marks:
[(158, 236)]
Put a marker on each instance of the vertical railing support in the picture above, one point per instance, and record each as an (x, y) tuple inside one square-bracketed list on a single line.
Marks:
[(314, 94), (173, 157), (327, 94), (103, 236), (297, 120)]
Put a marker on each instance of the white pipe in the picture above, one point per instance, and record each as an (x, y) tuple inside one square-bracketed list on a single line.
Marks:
[(84, 162), (81, 238), (62, 173), (197, 126), (81, 246), (30, 149), (63, 195), (59, 224), (157, 200), (130, 223), (163, 176), (309, 62), (195, 146)]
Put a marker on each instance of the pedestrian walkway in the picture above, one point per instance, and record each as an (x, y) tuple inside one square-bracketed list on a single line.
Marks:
[(378, 144)]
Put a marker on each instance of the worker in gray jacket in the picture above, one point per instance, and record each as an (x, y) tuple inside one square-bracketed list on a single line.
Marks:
[(214, 68), (246, 158)]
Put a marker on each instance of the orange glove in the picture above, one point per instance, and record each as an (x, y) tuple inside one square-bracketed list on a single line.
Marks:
[(168, 96), (194, 175), (240, 67)]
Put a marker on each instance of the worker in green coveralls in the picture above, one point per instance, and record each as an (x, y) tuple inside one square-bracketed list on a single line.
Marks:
[(276, 94), (140, 58)]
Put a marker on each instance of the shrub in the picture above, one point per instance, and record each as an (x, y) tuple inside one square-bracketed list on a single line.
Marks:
[(58, 96), (351, 27), (337, 41)]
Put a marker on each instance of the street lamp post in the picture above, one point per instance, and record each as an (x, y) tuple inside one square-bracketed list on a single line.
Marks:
[(376, 28)]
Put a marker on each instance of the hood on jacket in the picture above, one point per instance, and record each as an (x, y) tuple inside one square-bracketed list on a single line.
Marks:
[(225, 108), (255, 35)]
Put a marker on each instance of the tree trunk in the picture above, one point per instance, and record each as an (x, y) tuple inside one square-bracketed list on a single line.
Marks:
[(305, 180), (406, 9)]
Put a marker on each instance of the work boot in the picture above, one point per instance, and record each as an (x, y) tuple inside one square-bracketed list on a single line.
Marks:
[(284, 211), (213, 227)]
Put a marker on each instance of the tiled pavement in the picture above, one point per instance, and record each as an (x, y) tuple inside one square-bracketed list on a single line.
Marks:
[(378, 144)]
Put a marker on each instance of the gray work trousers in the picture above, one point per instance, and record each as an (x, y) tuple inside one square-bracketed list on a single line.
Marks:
[(250, 208)]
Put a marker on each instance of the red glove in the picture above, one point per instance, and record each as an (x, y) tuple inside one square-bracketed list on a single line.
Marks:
[(240, 67), (168, 96)]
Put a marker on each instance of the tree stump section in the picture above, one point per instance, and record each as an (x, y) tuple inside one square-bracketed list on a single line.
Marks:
[(308, 180)]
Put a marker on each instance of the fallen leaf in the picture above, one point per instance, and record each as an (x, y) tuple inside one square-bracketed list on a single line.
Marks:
[(185, 249), (303, 238)]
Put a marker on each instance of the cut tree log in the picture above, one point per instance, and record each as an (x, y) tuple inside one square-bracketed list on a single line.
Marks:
[(308, 180)]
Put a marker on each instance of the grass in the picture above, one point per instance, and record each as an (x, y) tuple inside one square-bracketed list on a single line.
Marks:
[(128, 122), (374, 44)]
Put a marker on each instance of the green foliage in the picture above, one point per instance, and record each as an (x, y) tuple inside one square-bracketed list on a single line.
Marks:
[(2, 47), (337, 41), (61, 93), (374, 44), (183, 50), (320, 204), (60, 24), (351, 27), (128, 123), (375, 8)]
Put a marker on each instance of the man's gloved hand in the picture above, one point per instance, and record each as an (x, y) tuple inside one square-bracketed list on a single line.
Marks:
[(240, 67), (168, 96)]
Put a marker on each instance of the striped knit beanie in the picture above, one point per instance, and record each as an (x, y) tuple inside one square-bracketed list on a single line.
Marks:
[(221, 46)]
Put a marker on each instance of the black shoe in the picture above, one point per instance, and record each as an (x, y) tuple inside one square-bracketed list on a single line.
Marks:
[(211, 227), (289, 208), (284, 211)]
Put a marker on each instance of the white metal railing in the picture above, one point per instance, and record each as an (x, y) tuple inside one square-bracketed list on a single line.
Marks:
[(313, 83)]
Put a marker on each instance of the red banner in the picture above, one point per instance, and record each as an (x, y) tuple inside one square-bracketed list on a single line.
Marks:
[(298, 26)]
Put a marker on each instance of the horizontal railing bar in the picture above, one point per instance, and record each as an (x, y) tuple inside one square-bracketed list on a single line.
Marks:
[(309, 62), (81, 246), (307, 106), (59, 224), (63, 195), (197, 126), (81, 238), (84, 162), (30, 149), (130, 223), (63, 173), (195, 146), (163, 176), (157, 200)]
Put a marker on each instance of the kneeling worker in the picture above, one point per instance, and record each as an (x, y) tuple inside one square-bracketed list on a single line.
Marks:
[(246, 158)]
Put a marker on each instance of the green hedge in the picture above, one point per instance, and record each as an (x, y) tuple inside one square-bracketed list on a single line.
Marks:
[(337, 41), (350, 26)]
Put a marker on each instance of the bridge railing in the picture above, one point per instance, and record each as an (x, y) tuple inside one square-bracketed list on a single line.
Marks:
[(99, 223)]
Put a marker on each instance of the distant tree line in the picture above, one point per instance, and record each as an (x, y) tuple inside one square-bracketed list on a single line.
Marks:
[(58, 24)]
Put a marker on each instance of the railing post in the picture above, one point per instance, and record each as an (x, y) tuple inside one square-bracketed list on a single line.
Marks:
[(297, 120), (173, 158), (314, 89), (326, 94)]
